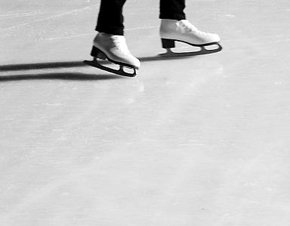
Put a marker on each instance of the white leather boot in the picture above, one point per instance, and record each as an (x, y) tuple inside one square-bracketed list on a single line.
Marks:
[(115, 49), (184, 31)]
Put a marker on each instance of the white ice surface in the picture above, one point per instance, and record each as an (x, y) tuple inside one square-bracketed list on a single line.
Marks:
[(198, 141)]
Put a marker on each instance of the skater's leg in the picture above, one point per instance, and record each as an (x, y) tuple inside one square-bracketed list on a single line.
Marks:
[(110, 19), (172, 9), (110, 43), (175, 27)]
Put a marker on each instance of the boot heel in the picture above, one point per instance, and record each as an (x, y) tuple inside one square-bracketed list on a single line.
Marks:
[(167, 43), (96, 53)]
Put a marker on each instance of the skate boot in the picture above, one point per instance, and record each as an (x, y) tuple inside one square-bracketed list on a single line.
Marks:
[(113, 48), (183, 31)]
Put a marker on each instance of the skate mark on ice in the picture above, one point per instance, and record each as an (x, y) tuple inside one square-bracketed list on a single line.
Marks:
[(22, 14), (66, 37), (49, 18)]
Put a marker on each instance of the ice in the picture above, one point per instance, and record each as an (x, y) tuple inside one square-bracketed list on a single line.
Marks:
[(193, 140)]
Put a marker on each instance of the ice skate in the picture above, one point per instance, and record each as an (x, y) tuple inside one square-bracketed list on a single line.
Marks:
[(113, 48), (172, 31)]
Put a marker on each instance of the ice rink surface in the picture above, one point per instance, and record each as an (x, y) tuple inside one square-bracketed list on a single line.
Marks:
[(190, 141)]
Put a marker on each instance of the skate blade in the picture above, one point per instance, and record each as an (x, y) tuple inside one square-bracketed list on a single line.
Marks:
[(204, 49), (123, 69)]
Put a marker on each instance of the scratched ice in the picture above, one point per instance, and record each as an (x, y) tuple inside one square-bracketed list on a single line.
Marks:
[(199, 140)]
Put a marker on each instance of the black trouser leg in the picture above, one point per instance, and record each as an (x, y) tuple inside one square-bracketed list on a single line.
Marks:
[(172, 9), (111, 18)]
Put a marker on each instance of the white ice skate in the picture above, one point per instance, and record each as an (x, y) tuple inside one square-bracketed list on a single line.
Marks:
[(114, 49), (184, 31)]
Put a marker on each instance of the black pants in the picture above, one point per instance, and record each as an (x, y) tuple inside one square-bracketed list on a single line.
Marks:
[(111, 18)]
